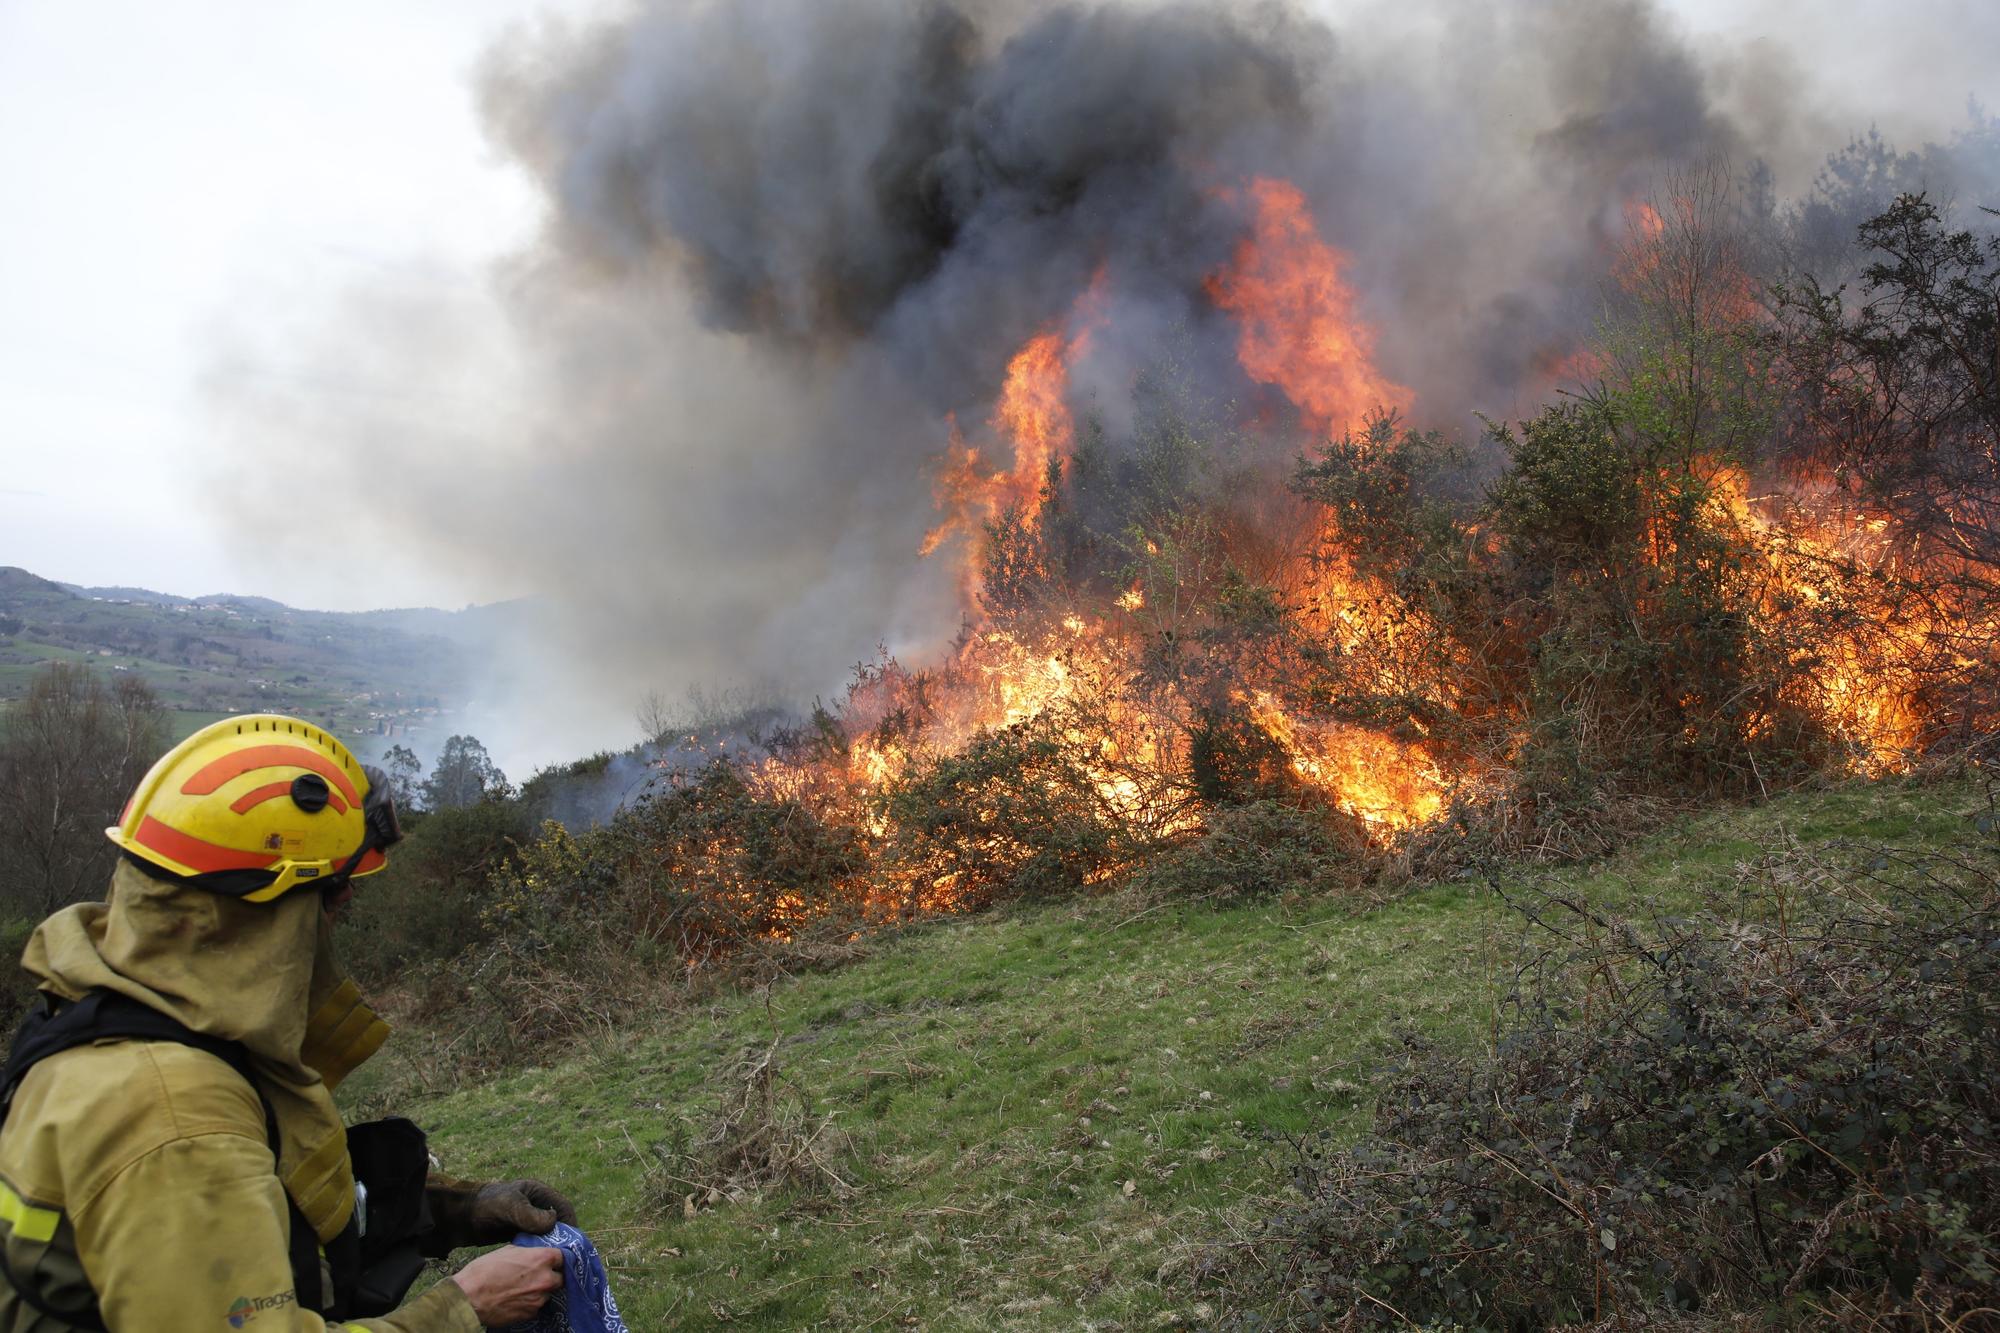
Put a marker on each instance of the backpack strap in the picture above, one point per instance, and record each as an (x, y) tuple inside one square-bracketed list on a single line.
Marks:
[(56, 1025)]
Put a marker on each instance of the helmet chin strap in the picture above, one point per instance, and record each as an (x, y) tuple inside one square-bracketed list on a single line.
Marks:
[(381, 830), (342, 877)]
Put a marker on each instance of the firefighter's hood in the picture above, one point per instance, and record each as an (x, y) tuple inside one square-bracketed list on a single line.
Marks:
[(262, 974)]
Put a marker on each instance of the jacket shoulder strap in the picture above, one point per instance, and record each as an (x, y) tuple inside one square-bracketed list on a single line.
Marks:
[(54, 1026)]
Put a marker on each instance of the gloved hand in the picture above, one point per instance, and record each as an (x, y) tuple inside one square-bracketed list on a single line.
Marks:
[(463, 1213), (502, 1209)]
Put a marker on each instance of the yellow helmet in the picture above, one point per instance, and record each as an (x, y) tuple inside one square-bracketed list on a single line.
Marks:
[(257, 805)]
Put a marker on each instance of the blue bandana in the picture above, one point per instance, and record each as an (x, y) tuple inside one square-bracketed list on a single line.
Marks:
[(585, 1304)]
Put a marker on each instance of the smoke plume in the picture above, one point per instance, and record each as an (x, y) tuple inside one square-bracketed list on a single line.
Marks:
[(789, 243)]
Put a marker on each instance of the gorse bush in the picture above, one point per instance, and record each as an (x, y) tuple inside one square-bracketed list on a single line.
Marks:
[(1892, 404), (1785, 1102), (548, 935), (1637, 603), (1607, 623), (707, 862)]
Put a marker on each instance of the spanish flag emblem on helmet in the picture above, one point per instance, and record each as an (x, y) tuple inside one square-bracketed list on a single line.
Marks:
[(257, 805)]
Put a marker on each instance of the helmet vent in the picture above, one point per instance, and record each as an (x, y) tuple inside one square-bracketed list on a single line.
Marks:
[(310, 793)]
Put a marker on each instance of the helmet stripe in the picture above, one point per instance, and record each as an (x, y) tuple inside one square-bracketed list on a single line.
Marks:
[(250, 800), (194, 853), (251, 758)]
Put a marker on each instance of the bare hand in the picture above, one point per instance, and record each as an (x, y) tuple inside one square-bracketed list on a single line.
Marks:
[(508, 1285)]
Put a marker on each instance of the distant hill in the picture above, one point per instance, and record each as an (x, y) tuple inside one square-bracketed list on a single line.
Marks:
[(132, 595), (14, 580), (384, 674)]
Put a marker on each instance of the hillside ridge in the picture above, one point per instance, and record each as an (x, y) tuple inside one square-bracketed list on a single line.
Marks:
[(382, 674)]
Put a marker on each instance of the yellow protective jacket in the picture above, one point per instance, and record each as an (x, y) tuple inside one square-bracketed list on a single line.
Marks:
[(141, 1171)]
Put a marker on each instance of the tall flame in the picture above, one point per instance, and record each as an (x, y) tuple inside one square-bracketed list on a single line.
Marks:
[(1299, 329), (1033, 415), (1299, 332)]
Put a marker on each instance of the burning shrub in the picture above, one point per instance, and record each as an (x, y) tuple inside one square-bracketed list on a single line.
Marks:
[(1898, 388), (1636, 607), (1893, 421), (1718, 1114), (713, 861), (1024, 812), (1232, 759), (1612, 620)]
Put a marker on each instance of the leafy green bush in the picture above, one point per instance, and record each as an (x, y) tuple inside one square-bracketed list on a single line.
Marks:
[(429, 903), (546, 961), (1785, 1109)]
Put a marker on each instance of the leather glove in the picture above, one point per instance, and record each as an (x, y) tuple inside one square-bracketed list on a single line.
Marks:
[(464, 1213)]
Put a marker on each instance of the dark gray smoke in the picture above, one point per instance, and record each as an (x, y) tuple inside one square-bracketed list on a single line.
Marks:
[(786, 239), (932, 181), (928, 182)]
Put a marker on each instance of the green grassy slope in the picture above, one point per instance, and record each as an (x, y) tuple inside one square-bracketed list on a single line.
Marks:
[(1038, 1118)]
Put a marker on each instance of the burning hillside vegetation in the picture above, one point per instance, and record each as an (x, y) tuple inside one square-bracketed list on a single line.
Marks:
[(1291, 616), (1151, 333)]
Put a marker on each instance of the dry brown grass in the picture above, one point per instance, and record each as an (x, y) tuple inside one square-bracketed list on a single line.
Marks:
[(764, 1135)]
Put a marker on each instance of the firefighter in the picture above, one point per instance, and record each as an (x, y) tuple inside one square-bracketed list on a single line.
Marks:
[(171, 1157)]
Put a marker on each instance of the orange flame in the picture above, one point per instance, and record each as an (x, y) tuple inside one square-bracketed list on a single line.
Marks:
[(1033, 416), (1864, 679), (1299, 330), (1639, 252), (1389, 785), (960, 490)]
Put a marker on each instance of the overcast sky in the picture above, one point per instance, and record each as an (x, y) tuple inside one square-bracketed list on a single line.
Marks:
[(176, 173), (203, 173)]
